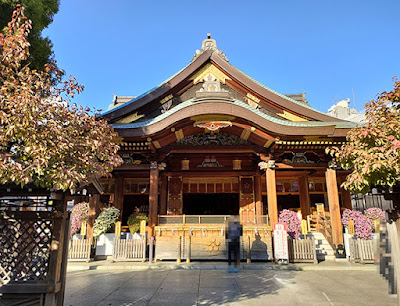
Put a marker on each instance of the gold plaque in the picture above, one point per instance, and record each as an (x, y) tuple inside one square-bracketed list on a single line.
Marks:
[(142, 227), (377, 224), (118, 229), (83, 228), (351, 227), (304, 227)]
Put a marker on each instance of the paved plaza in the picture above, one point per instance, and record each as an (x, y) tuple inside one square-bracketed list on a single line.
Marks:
[(218, 287)]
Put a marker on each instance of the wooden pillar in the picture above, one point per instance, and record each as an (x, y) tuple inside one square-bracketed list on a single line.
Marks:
[(94, 210), (346, 198), (163, 195), (153, 196), (334, 207), (304, 194), (258, 198), (56, 248), (119, 194), (271, 196)]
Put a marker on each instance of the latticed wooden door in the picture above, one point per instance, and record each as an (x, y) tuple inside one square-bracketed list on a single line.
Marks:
[(247, 209), (175, 202)]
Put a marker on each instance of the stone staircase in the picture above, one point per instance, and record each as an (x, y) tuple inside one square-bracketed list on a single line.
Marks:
[(324, 249)]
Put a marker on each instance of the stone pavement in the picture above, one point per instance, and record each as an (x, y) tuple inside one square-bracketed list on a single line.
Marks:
[(339, 265), (218, 287)]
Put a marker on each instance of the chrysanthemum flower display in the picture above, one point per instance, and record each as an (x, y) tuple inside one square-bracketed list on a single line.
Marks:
[(79, 213), (105, 221), (292, 220), (363, 223)]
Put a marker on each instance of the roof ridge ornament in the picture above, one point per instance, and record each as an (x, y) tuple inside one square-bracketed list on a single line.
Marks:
[(209, 44)]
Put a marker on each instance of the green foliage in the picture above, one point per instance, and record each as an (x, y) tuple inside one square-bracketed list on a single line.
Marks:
[(44, 139), (105, 221), (41, 13), (372, 150), (134, 221)]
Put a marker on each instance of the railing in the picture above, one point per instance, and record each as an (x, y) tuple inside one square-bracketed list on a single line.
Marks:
[(381, 200), (362, 250), (203, 219), (323, 225), (129, 249), (302, 250), (312, 223), (79, 249)]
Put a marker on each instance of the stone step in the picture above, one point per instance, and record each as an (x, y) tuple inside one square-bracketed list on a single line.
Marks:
[(323, 248)]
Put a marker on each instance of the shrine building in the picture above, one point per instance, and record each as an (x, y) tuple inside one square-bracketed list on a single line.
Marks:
[(210, 142)]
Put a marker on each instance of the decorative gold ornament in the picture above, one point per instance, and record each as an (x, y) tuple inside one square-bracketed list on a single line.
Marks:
[(213, 245), (237, 164), (185, 164)]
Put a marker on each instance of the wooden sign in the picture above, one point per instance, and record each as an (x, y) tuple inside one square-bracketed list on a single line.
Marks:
[(281, 242), (117, 228), (304, 230), (83, 228), (320, 208), (351, 227), (142, 227), (377, 225)]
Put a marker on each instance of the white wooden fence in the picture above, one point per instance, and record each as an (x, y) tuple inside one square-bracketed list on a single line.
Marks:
[(362, 250), (129, 249), (302, 250), (79, 249)]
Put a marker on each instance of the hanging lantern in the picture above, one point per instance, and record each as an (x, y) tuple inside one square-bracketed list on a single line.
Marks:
[(237, 164), (185, 164)]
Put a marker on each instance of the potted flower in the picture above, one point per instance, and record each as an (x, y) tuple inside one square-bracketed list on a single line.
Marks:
[(79, 213), (134, 221), (103, 223), (293, 222)]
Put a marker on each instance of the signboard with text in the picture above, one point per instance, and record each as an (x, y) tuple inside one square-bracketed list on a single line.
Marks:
[(280, 241)]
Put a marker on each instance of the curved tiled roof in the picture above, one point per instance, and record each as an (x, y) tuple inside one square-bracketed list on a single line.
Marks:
[(282, 101), (184, 107)]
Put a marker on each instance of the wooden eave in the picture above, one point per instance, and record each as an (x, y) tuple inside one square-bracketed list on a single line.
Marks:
[(228, 108)]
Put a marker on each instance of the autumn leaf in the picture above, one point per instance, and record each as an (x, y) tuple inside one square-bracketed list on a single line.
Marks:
[(46, 140)]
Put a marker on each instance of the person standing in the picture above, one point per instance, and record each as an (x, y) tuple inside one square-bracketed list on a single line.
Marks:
[(233, 233)]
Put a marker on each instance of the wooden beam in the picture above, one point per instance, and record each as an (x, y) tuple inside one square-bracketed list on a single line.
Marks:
[(119, 194), (213, 150), (133, 167), (153, 196), (294, 173), (258, 199), (163, 195), (36, 288), (302, 166), (217, 173), (271, 196), (334, 207), (304, 194)]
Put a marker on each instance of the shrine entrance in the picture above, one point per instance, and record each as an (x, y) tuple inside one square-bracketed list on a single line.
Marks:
[(211, 204)]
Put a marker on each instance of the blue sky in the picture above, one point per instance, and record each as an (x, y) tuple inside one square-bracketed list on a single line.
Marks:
[(325, 48)]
